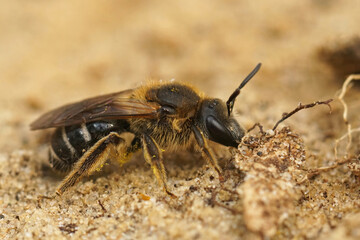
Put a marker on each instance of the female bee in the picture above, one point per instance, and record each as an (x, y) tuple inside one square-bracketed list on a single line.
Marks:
[(158, 115)]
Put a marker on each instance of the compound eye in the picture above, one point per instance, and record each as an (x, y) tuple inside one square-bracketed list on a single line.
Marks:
[(219, 133)]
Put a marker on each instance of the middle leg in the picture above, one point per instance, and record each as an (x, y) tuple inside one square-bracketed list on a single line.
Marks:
[(153, 156)]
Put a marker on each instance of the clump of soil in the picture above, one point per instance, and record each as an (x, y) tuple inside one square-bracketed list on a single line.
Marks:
[(273, 163)]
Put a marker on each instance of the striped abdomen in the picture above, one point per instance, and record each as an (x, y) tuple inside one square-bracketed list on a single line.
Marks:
[(69, 143)]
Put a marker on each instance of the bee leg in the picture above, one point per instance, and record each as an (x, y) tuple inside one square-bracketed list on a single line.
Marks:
[(153, 156), (124, 154), (92, 160), (206, 151)]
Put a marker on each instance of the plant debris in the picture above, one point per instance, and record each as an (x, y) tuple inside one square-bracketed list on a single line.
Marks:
[(300, 107)]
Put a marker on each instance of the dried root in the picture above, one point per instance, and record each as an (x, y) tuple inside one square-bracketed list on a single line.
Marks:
[(347, 158), (300, 107), (350, 131)]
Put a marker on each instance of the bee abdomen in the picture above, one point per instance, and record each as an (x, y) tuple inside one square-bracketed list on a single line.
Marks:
[(69, 143), (57, 163)]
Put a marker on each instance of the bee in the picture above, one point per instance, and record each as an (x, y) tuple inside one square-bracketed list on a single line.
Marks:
[(159, 116)]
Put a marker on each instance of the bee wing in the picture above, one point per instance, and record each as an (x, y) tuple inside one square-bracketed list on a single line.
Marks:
[(109, 106)]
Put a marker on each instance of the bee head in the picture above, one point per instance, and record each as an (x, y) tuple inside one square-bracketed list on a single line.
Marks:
[(217, 125), (216, 121)]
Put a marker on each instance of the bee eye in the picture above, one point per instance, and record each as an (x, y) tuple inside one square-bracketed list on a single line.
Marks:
[(167, 110), (219, 133)]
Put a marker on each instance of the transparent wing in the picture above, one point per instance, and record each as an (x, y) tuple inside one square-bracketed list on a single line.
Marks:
[(109, 106)]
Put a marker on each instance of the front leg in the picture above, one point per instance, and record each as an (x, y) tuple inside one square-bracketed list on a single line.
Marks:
[(153, 156), (206, 151)]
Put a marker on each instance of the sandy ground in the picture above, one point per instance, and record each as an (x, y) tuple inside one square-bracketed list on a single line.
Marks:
[(54, 52)]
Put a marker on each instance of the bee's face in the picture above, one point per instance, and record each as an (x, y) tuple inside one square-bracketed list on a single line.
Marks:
[(217, 125)]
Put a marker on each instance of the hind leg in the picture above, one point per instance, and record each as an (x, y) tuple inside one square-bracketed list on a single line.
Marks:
[(92, 160)]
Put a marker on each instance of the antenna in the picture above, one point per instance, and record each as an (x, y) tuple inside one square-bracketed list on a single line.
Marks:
[(232, 98)]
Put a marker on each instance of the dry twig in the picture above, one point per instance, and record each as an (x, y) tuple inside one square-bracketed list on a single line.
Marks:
[(300, 107)]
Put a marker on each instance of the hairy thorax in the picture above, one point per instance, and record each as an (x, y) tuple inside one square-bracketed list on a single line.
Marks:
[(172, 127), (169, 133)]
